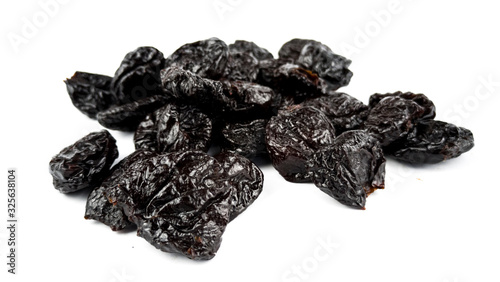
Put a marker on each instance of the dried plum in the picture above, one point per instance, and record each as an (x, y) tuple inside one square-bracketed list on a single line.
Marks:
[(90, 93), (138, 76), (294, 135), (244, 61), (85, 163), (245, 138), (349, 169), (420, 99), (249, 100)]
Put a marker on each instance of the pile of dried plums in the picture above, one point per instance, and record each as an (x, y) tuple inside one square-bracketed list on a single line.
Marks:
[(241, 99)]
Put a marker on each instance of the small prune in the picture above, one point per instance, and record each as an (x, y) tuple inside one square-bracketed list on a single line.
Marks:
[(244, 60), (293, 136), (349, 169), (85, 163), (251, 100), (420, 99), (138, 76), (90, 93)]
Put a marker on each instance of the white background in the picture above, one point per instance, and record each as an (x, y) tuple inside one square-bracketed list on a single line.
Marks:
[(434, 223)]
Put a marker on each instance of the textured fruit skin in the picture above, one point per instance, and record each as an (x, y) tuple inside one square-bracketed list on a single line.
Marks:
[(349, 169), (245, 138), (85, 163), (174, 128), (90, 93), (98, 206), (319, 59), (420, 99), (138, 76), (244, 61), (128, 116), (206, 58), (293, 136), (432, 141)]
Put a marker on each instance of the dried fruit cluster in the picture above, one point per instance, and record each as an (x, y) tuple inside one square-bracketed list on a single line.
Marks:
[(250, 104)]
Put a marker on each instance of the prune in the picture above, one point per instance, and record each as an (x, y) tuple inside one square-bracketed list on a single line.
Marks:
[(206, 58), (420, 99), (99, 207), (128, 116), (90, 93), (344, 111), (349, 169), (432, 141), (245, 138), (244, 177), (319, 59), (173, 128), (244, 61), (392, 118), (293, 136), (138, 76), (249, 100), (85, 163)]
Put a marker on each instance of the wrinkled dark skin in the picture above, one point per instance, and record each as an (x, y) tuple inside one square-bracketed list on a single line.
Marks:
[(319, 59), (251, 100), (392, 119), (344, 111), (138, 76), (174, 128), (90, 93), (181, 202), (432, 141), (293, 136), (244, 61), (349, 169), (245, 179), (245, 138), (99, 207), (85, 163), (206, 58), (420, 99), (128, 116)]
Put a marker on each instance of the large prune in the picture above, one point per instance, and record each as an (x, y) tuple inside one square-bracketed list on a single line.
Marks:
[(85, 163), (99, 207), (138, 76), (244, 61), (206, 58), (349, 169), (174, 128), (245, 138), (432, 141), (90, 93), (318, 58), (344, 111), (128, 116), (293, 136)]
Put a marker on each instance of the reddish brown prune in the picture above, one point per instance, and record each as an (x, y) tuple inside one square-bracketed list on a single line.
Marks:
[(432, 141), (293, 136), (85, 163), (98, 206), (245, 138), (174, 128), (244, 61), (349, 169), (206, 58), (138, 76), (90, 93), (128, 116), (319, 59)]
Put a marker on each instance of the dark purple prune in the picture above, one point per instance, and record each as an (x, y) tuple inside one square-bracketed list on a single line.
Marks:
[(244, 59), (245, 138), (293, 136), (432, 141), (174, 128), (206, 58), (245, 178), (90, 93), (421, 99), (349, 169), (319, 59), (98, 206), (85, 163), (344, 111), (128, 116), (138, 76), (249, 100), (392, 118)]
